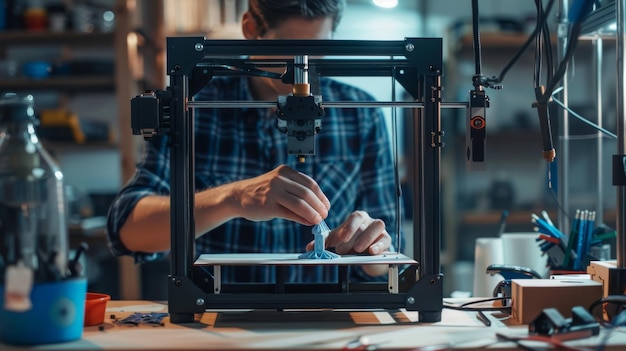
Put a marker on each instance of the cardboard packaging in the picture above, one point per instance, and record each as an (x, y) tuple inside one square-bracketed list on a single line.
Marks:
[(613, 280), (529, 297)]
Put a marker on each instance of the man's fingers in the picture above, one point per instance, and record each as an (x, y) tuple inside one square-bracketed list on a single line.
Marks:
[(303, 202), (380, 245), (303, 216), (361, 234), (310, 245), (306, 183), (355, 223), (370, 235)]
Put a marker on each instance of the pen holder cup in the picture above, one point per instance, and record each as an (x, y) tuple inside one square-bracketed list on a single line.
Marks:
[(95, 307), (56, 315)]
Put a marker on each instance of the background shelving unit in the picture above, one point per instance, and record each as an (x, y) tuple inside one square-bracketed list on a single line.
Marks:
[(603, 31), (516, 148), (104, 96), (514, 175)]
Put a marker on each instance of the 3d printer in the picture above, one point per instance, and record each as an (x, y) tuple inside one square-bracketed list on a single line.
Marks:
[(415, 284)]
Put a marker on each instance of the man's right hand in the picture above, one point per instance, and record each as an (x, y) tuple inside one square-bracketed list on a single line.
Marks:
[(281, 193)]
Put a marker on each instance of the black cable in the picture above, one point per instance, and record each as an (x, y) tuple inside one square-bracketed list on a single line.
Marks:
[(540, 33), (517, 342), (572, 43), (547, 40), (538, 45), (537, 62), (618, 321), (476, 309), (555, 344), (540, 24), (611, 299), (476, 39), (464, 306), (560, 71), (489, 299), (543, 94), (544, 43)]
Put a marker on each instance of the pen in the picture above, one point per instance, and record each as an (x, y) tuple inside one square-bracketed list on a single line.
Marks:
[(481, 316)]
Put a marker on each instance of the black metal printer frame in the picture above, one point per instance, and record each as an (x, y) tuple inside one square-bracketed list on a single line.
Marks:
[(415, 63)]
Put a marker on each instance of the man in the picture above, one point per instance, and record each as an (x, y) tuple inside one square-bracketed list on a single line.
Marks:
[(251, 195)]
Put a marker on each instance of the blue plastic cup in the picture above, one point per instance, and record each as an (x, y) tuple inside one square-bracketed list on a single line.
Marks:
[(57, 314)]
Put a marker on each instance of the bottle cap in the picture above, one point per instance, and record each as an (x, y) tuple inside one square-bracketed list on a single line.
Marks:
[(16, 108)]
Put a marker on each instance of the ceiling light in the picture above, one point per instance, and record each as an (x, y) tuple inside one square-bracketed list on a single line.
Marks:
[(386, 3)]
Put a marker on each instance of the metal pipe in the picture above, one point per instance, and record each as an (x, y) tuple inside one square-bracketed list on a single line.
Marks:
[(563, 158), (301, 69), (597, 63), (334, 104)]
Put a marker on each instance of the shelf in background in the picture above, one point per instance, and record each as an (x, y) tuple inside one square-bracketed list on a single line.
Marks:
[(490, 40), (66, 83), (54, 38), (58, 145), (500, 41), (493, 217), (516, 217)]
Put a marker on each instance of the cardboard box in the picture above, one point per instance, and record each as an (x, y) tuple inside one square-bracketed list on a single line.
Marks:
[(613, 280), (529, 297)]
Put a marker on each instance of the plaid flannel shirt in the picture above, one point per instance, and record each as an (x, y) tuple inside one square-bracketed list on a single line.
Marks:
[(353, 165)]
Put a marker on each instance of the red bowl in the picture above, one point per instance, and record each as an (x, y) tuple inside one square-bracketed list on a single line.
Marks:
[(95, 307)]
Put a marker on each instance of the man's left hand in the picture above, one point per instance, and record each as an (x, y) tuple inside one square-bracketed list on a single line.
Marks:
[(359, 233)]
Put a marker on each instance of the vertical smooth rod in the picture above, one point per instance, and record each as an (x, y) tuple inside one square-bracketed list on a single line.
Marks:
[(301, 69), (563, 158), (597, 63)]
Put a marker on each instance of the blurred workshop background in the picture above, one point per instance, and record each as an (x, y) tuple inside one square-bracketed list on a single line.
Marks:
[(84, 60)]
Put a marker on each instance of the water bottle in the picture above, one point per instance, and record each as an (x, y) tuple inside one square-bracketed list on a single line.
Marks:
[(39, 301)]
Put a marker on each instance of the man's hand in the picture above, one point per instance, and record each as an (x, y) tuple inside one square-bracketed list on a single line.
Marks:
[(359, 233), (281, 193)]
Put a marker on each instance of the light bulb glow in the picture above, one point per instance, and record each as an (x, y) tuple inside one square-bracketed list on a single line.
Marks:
[(389, 4)]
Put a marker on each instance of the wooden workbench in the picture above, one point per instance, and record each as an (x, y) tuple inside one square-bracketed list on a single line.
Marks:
[(300, 330)]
